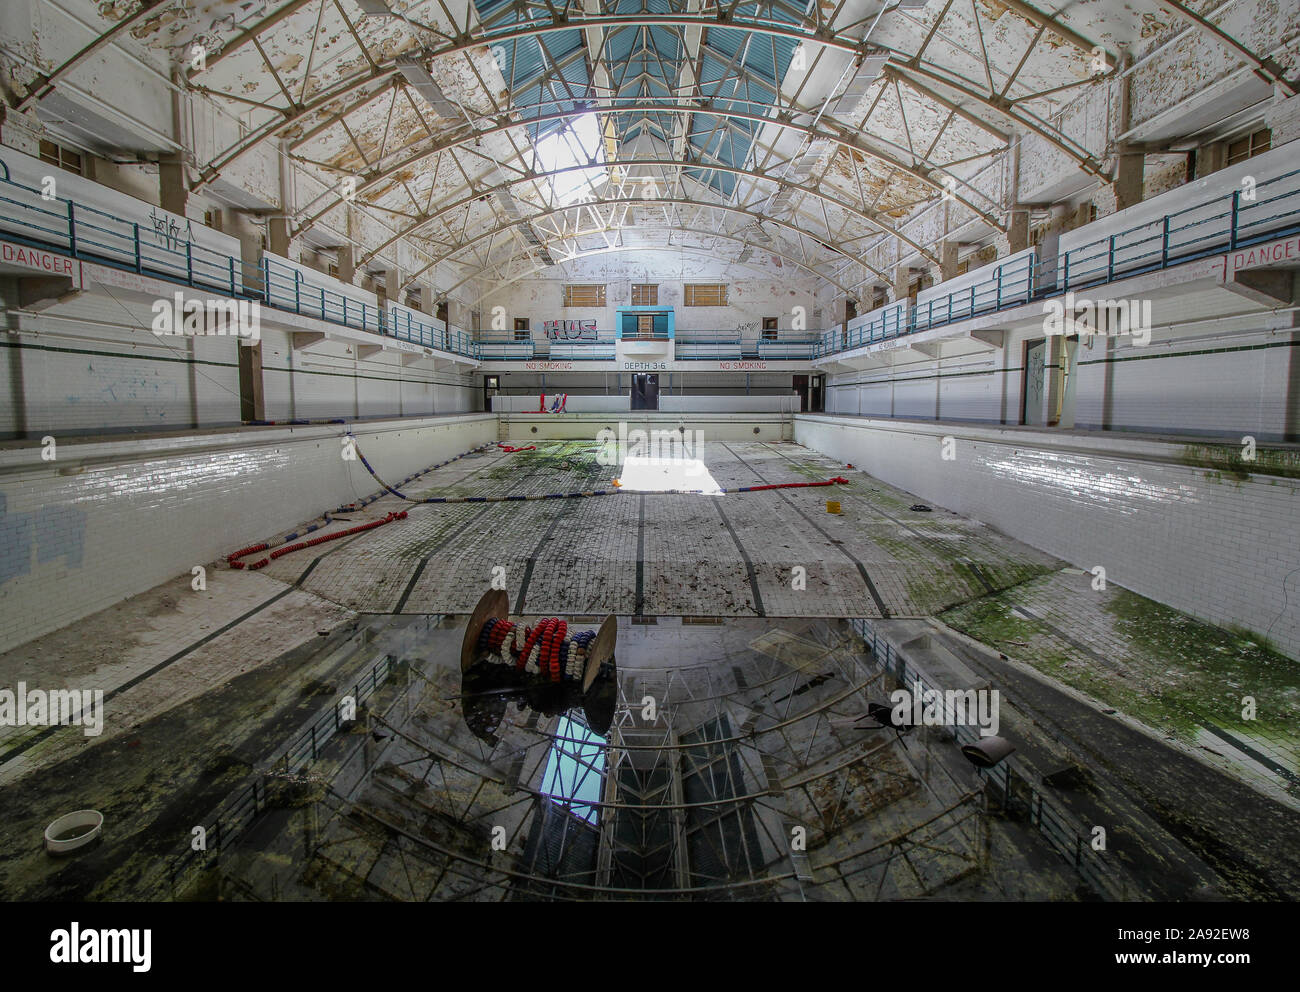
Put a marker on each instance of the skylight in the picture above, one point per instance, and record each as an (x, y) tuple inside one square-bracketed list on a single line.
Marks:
[(573, 773), (658, 475), (576, 144)]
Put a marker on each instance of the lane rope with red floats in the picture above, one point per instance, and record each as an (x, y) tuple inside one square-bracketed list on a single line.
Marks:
[(234, 559)]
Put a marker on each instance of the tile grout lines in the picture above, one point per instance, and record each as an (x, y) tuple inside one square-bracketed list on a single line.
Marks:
[(929, 542), (862, 570), (537, 551), (419, 569)]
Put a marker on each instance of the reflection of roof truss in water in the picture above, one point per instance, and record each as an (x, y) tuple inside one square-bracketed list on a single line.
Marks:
[(698, 797)]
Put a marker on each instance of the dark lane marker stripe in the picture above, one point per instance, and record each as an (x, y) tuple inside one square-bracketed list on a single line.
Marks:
[(862, 569), (640, 559), (939, 551), (749, 565), (472, 518)]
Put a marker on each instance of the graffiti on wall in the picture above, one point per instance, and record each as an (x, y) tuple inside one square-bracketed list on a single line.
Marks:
[(570, 330), (169, 234)]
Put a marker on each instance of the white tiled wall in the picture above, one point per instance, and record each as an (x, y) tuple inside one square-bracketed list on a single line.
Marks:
[(1198, 541), (107, 520), (1228, 384), (79, 373)]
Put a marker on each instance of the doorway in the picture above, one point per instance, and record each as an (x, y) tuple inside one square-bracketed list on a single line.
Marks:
[(645, 392), (809, 388), (1034, 408), (491, 386)]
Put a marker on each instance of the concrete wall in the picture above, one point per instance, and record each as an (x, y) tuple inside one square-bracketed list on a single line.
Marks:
[(574, 404), (1187, 536), (732, 384), (749, 298), (109, 519), (733, 404)]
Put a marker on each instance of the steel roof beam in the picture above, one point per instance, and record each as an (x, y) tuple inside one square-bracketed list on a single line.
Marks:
[(615, 249), (43, 84), (1266, 68), (628, 201), (476, 192), (783, 122)]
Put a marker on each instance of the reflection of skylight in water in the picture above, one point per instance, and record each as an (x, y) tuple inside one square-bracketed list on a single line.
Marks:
[(573, 770), (657, 475), (576, 144)]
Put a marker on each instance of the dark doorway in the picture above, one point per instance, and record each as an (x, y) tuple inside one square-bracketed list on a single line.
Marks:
[(252, 403), (850, 313), (809, 388), (645, 392), (491, 384), (769, 328)]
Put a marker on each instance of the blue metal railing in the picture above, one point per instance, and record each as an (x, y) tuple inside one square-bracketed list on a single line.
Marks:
[(503, 350), (599, 350), (94, 235), (1218, 225)]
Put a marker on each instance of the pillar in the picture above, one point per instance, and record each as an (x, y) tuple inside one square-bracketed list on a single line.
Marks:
[(173, 191), (347, 264), (948, 260), (1130, 165), (1129, 177), (277, 236), (902, 277), (1018, 229)]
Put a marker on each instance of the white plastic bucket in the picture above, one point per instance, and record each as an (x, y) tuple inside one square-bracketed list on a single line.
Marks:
[(73, 830)]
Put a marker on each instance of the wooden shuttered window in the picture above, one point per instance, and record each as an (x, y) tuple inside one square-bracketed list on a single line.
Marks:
[(584, 296), (706, 295)]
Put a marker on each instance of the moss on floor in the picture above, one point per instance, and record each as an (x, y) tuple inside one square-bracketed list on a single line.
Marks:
[(1177, 674), (1212, 668)]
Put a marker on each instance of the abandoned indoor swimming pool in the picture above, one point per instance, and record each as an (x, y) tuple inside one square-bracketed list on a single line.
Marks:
[(653, 452), (338, 723)]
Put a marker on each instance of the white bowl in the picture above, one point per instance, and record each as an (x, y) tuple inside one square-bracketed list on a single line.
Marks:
[(88, 823)]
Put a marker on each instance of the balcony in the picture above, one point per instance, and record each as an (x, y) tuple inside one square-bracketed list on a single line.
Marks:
[(133, 237), (1253, 214)]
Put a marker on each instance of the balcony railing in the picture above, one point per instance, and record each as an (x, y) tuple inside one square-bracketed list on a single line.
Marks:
[(505, 350), (1219, 225), (582, 351), (94, 235)]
